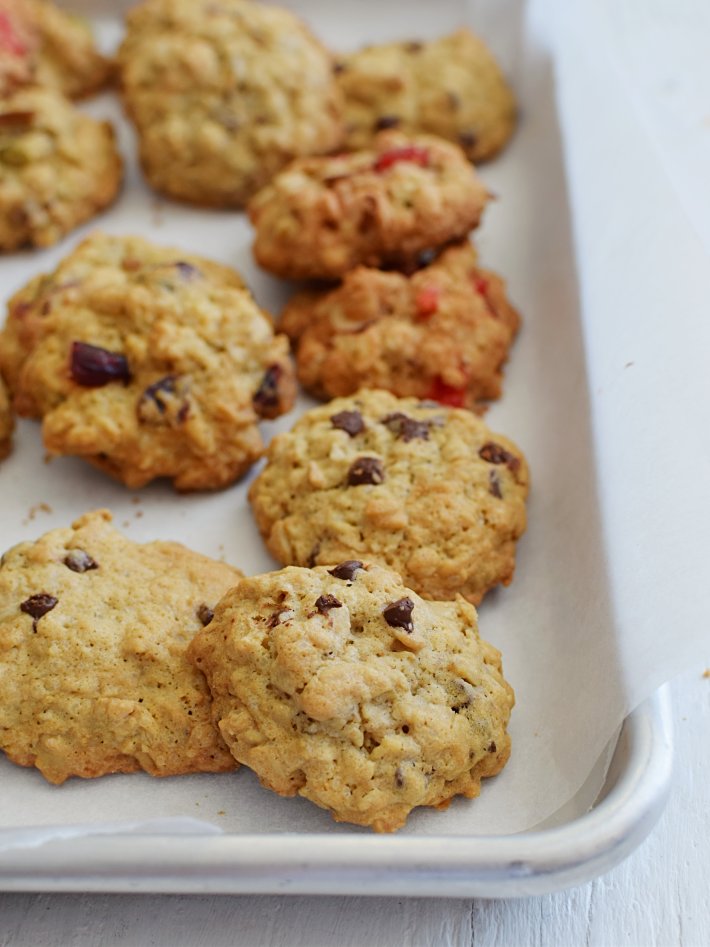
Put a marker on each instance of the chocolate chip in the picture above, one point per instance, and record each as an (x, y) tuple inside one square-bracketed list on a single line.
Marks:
[(324, 603), (346, 570), (494, 485), (414, 47), (79, 561), (266, 400), (313, 556), (94, 367), (37, 606), (366, 470), (349, 421), (467, 140), (339, 67), (398, 778), (399, 614), (284, 615), (387, 121), (205, 614), (187, 271), (492, 748), (493, 453), (406, 428)]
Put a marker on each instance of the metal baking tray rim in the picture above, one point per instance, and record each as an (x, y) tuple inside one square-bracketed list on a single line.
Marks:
[(529, 863)]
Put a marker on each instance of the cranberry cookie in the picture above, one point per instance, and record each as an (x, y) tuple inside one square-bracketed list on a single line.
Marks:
[(6, 422), (93, 634), (346, 688), (428, 491), (322, 217), (148, 362), (224, 94), (442, 332)]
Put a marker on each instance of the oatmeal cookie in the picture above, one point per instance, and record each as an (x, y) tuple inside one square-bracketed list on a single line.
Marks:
[(452, 87), (6, 422), (343, 686), (224, 95), (93, 634), (58, 168), (321, 217), (43, 45), (442, 332), (148, 362), (426, 490)]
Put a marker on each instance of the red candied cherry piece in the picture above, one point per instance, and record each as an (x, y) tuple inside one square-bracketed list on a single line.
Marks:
[(411, 153), (427, 301), (94, 367), (480, 284), (447, 394), (9, 40)]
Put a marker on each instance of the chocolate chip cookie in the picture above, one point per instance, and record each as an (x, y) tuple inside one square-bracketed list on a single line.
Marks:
[(58, 168), (442, 332), (452, 87), (43, 45), (426, 490), (148, 362), (224, 94), (93, 634), (346, 688), (321, 217)]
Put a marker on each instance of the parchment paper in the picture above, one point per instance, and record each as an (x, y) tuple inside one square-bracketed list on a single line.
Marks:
[(605, 391)]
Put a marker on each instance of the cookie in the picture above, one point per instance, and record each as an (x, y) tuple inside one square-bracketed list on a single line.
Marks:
[(428, 491), (43, 45), (322, 217), (441, 332), (93, 634), (346, 688), (452, 87), (6, 422), (148, 362), (58, 168), (223, 95)]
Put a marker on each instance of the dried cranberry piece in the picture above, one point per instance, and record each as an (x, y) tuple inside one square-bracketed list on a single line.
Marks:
[(467, 140), (412, 154), (37, 606), (480, 284), (366, 470), (493, 453), (399, 614), (324, 603), (9, 40), (349, 421), (387, 121), (205, 614), (346, 570), (266, 399), (94, 367), (187, 271), (427, 301), (16, 120), (79, 561), (447, 394), (406, 428)]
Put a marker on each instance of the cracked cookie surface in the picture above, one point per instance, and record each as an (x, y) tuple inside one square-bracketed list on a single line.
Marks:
[(224, 95), (346, 688), (58, 168), (427, 490), (452, 87), (43, 45), (442, 332), (148, 362), (94, 677), (321, 217)]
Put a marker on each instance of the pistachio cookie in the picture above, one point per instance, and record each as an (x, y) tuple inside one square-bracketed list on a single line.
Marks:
[(148, 362), (43, 45), (442, 332), (58, 168), (322, 217), (93, 634), (452, 87), (224, 95), (346, 688), (6, 422), (428, 491)]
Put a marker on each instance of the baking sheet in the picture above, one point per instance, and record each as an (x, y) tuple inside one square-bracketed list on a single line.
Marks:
[(557, 625)]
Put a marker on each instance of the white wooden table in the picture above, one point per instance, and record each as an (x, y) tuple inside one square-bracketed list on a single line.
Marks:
[(657, 898)]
